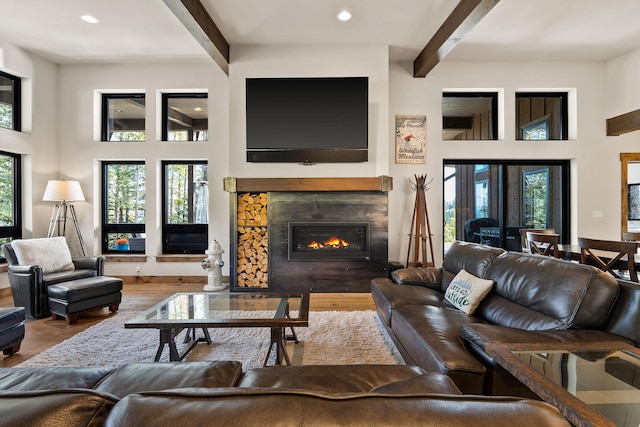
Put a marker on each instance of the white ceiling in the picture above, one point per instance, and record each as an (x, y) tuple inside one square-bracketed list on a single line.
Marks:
[(147, 31)]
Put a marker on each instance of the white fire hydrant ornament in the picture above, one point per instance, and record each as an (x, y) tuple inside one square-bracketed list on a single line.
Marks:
[(213, 264)]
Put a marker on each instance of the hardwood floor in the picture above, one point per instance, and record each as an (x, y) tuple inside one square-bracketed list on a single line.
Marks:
[(40, 334)]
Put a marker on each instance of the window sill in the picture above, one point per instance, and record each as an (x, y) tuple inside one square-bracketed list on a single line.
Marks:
[(181, 258), (125, 258)]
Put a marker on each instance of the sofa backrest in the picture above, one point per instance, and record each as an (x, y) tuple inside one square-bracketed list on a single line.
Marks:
[(535, 292), (625, 316), (282, 407), (471, 257)]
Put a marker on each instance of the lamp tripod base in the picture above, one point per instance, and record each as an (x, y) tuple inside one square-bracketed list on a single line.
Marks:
[(58, 224)]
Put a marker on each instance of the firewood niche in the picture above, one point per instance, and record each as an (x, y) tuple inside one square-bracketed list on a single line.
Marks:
[(308, 234)]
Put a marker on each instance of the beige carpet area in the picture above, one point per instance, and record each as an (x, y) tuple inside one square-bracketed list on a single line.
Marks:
[(332, 337)]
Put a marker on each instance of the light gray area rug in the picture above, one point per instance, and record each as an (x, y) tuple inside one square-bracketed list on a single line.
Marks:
[(332, 337)]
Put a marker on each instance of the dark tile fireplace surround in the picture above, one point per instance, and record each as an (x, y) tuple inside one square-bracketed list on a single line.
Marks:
[(308, 234)]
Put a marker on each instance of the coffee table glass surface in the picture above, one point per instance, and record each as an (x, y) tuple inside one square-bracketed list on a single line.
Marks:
[(592, 384), (202, 310), (192, 309)]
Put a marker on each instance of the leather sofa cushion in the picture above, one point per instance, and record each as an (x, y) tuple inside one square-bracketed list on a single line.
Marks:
[(281, 407), (430, 277), (150, 376), (388, 295), (430, 382), (474, 258), (343, 378), (623, 320), (65, 276), (547, 293), (10, 317), (443, 351), (51, 378), (55, 408), (86, 288)]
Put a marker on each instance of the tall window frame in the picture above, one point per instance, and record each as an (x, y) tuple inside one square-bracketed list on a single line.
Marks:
[(121, 116), (114, 230), (185, 113), (190, 234), (10, 197), (507, 209), (10, 102)]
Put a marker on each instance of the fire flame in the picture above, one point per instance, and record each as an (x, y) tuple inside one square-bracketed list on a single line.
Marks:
[(333, 242)]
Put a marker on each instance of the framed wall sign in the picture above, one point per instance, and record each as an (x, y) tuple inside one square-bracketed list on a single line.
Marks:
[(411, 138)]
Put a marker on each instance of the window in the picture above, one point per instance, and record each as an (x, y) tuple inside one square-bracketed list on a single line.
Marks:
[(185, 117), (490, 201), (10, 198), (123, 117), (542, 116), (185, 201), (123, 207), (10, 101), (535, 198), (470, 116)]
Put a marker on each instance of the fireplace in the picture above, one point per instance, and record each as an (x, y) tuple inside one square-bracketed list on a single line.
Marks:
[(308, 234), (326, 241)]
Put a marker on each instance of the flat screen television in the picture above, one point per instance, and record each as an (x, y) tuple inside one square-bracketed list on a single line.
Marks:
[(307, 120)]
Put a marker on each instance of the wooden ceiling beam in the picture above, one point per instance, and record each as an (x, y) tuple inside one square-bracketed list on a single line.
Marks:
[(199, 23), (623, 123), (462, 19)]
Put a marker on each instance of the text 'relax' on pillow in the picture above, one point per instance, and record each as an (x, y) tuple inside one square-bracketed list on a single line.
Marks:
[(466, 291), (52, 253)]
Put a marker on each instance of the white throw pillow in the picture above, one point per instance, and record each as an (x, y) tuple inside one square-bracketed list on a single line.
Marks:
[(52, 254), (466, 291)]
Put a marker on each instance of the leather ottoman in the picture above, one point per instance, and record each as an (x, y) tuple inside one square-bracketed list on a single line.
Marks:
[(68, 299), (11, 329)]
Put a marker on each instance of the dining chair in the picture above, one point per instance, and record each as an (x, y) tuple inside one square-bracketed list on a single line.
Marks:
[(630, 236), (609, 255), (523, 235), (543, 243)]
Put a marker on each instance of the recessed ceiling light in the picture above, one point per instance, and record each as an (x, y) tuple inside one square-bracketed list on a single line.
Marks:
[(90, 19), (344, 15)]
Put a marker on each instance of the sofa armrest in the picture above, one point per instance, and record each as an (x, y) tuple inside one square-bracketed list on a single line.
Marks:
[(429, 277), (90, 263)]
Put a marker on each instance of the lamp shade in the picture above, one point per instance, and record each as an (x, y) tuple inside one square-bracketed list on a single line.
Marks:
[(61, 190)]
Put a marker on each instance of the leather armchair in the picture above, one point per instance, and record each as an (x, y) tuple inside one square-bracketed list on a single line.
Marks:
[(29, 283)]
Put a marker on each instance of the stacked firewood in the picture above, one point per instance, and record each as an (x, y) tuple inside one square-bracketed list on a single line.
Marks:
[(253, 240)]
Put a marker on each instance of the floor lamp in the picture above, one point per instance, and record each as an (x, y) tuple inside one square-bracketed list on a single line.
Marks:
[(61, 192)]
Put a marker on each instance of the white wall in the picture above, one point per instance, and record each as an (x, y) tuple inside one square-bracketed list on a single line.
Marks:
[(594, 157), (61, 140), (311, 61), (81, 151), (37, 143)]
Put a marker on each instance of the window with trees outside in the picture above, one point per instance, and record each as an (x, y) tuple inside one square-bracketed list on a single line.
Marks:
[(185, 117), (123, 207), (10, 102), (10, 198), (490, 201), (123, 117), (185, 201)]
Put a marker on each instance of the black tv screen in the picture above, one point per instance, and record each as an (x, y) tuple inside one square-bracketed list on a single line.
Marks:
[(307, 120)]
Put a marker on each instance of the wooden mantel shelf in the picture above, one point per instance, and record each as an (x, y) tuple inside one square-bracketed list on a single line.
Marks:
[(380, 183)]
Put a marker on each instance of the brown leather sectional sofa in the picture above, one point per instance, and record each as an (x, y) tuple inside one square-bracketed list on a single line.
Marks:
[(219, 393), (533, 299)]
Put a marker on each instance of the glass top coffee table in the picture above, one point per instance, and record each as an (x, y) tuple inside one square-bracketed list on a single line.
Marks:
[(202, 310), (592, 384)]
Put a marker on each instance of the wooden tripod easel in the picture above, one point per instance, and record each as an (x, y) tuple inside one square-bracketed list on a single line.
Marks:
[(420, 229)]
